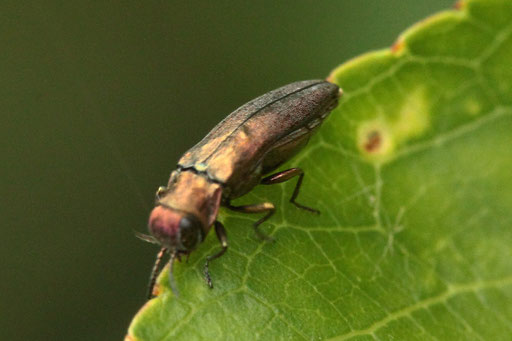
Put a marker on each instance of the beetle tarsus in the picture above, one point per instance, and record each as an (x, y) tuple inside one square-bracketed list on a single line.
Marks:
[(172, 283), (206, 273), (285, 176), (307, 208), (155, 272), (261, 235), (223, 239)]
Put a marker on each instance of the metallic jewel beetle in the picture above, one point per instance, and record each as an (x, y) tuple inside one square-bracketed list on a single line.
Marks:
[(251, 142)]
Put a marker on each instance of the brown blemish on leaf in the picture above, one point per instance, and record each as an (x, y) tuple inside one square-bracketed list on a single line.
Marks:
[(156, 289), (398, 46), (128, 337), (460, 5), (330, 78), (373, 141)]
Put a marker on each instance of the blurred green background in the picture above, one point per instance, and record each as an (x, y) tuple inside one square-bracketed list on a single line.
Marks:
[(99, 100)]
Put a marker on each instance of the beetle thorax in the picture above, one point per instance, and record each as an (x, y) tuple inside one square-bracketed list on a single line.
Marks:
[(195, 194)]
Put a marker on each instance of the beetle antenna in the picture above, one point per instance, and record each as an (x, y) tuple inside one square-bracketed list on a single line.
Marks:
[(146, 237), (172, 284), (155, 272)]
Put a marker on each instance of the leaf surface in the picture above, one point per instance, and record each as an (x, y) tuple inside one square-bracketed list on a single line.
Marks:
[(413, 175)]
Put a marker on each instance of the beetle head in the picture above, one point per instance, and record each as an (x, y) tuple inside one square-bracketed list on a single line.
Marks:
[(184, 212), (177, 231)]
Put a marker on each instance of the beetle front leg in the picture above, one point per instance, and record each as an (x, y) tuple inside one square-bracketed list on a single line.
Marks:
[(223, 239), (285, 176), (256, 208)]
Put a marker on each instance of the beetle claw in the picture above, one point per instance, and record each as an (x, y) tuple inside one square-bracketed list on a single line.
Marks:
[(262, 236)]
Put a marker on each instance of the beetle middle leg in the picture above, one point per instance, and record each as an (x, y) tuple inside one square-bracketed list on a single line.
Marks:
[(256, 208), (285, 176), (223, 239)]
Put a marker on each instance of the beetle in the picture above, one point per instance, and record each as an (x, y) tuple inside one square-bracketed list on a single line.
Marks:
[(230, 161)]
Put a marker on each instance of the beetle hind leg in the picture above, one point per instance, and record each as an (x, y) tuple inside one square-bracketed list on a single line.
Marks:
[(285, 176), (257, 208)]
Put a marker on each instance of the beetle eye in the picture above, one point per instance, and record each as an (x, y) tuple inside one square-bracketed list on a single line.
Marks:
[(190, 232)]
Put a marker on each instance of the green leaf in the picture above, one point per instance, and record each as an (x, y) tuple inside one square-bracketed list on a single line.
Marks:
[(413, 175)]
